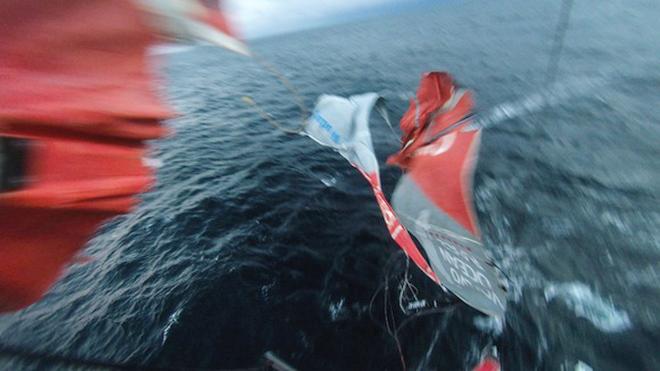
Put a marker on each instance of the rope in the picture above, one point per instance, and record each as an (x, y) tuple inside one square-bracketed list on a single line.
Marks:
[(390, 326), (558, 44), (270, 119), (275, 72)]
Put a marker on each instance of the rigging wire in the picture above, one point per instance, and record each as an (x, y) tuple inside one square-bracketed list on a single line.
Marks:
[(304, 111), (275, 72), (558, 43), (392, 272)]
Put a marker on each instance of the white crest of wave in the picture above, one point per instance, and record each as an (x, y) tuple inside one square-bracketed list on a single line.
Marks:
[(174, 319), (586, 304), (553, 95)]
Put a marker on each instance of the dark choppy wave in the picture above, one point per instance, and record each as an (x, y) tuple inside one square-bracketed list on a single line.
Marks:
[(253, 240)]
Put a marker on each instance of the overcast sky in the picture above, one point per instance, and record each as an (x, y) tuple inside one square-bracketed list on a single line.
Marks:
[(254, 18)]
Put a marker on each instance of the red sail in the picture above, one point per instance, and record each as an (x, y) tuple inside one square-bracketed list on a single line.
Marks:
[(447, 180), (436, 153), (437, 107), (434, 197), (77, 104)]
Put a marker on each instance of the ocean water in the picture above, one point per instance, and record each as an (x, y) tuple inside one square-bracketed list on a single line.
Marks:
[(255, 241)]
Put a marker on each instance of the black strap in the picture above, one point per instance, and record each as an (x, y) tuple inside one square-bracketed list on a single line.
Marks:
[(12, 163)]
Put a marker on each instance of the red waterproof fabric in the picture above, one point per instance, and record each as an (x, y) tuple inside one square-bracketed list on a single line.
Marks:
[(78, 65), (75, 81), (77, 84)]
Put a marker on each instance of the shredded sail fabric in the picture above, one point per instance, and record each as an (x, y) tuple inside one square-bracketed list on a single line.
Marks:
[(434, 197), (433, 200), (343, 124), (77, 105)]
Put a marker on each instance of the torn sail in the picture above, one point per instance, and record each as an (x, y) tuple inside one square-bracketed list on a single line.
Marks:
[(343, 124), (434, 197)]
